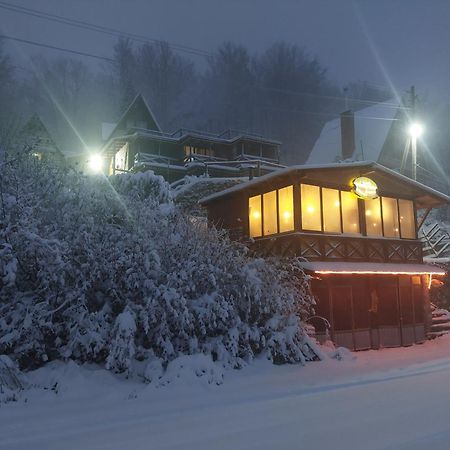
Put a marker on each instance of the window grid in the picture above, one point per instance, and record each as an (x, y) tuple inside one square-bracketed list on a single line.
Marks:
[(401, 234)]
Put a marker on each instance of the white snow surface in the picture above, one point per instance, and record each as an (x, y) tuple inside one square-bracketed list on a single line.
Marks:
[(372, 126), (386, 399)]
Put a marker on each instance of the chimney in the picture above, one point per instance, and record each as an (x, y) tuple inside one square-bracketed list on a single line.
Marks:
[(347, 134)]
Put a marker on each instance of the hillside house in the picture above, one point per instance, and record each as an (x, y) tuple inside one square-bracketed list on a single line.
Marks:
[(137, 143)]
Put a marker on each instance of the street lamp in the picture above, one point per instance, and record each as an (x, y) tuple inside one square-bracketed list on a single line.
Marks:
[(96, 163), (415, 130)]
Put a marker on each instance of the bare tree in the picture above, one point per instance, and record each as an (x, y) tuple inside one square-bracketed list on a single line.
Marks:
[(166, 79), (124, 70), (293, 98)]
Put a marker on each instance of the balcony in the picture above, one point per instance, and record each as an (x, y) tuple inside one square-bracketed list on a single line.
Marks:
[(327, 247)]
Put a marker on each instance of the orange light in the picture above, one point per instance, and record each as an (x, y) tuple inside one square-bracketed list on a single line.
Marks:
[(310, 209), (370, 272)]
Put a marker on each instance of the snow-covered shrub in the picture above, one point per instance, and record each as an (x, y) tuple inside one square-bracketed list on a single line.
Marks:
[(109, 271), (11, 380), (122, 349)]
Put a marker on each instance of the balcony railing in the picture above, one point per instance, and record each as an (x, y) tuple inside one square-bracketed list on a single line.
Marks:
[(324, 247)]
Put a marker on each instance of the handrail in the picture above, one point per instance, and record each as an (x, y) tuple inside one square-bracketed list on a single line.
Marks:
[(327, 323)]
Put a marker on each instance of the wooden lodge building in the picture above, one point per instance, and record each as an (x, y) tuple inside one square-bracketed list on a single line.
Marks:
[(355, 225), (137, 143)]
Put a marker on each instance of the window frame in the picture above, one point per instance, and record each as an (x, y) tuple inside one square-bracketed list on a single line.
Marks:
[(277, 211), (298, 215)]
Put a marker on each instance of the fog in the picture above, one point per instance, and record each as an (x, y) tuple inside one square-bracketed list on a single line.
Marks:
[(377, 49)]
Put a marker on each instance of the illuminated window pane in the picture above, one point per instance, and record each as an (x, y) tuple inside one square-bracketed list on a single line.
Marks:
[(286, 208), (390, 217), (254, 216), (407, 220), (373, 217), (350, 213), (310, 197), (331, 210), (270, 213)]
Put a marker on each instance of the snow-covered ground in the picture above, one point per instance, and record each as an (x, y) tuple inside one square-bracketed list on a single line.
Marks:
[(387, 399)]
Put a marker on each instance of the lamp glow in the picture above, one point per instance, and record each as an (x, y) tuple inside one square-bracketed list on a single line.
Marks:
[(96, 163), (416, 130)]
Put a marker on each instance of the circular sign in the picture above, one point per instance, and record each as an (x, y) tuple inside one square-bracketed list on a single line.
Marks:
[(365, 188)]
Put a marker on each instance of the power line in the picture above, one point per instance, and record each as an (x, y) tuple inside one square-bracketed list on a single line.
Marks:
[(297, 111), (53, 47), (144, 39), (140, 38), (97, 28)]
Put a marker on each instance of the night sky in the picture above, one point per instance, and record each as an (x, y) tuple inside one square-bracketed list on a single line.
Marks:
[(402, 42)]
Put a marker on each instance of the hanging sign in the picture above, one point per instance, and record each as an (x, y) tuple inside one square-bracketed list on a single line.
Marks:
[(365, 188)]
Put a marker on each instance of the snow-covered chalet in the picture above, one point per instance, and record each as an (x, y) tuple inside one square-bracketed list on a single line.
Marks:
[(355, 226), (136, 142)]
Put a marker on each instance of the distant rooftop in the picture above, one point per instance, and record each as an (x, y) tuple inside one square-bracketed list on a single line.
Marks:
[(372, 126)]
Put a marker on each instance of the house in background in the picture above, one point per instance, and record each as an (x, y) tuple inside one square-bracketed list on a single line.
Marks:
[(42, 145), (378, 133), (56, 143), (137, 143), (355, 225)]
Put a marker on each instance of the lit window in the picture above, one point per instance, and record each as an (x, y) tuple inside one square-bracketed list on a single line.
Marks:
[(390, 217), (331, 210), (310, 198), (270, 213), (373, 217), (254, 216), (121, 158), (350, 212), (407, 219), (286, 209)]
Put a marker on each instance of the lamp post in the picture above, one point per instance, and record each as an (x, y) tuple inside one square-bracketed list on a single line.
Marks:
[(415, 131)]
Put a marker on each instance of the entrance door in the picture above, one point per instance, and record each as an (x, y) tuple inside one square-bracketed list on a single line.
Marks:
[(342, 316), (388, 316), (361, 314), (406, 310)]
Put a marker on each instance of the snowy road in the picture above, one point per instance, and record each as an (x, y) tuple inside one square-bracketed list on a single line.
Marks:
[(391, 399)]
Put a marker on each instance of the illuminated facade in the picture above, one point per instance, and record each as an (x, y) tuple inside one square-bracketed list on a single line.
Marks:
[(359, 245)]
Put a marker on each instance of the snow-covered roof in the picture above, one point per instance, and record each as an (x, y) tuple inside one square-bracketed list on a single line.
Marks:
[(420, 189), (372, 126), (107, 129), (341, 267), (133, 104)]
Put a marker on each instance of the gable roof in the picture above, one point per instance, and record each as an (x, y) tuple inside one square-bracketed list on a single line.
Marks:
[(424, 196), (35, 132), (372, 126), (138, 103)]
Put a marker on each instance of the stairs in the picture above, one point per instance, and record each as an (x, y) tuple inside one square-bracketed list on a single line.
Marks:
[(436, 241), (440, 322)]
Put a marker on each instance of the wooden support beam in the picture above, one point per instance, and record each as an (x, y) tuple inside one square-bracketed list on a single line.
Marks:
[(423, 218)]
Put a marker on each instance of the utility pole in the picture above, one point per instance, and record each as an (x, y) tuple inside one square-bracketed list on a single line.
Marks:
[(413, 137)]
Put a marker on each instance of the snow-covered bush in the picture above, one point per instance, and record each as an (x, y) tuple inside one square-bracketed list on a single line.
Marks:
[(11, 380), (109, 271)]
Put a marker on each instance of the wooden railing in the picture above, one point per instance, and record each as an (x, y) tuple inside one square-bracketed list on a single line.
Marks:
[(325, 247)]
